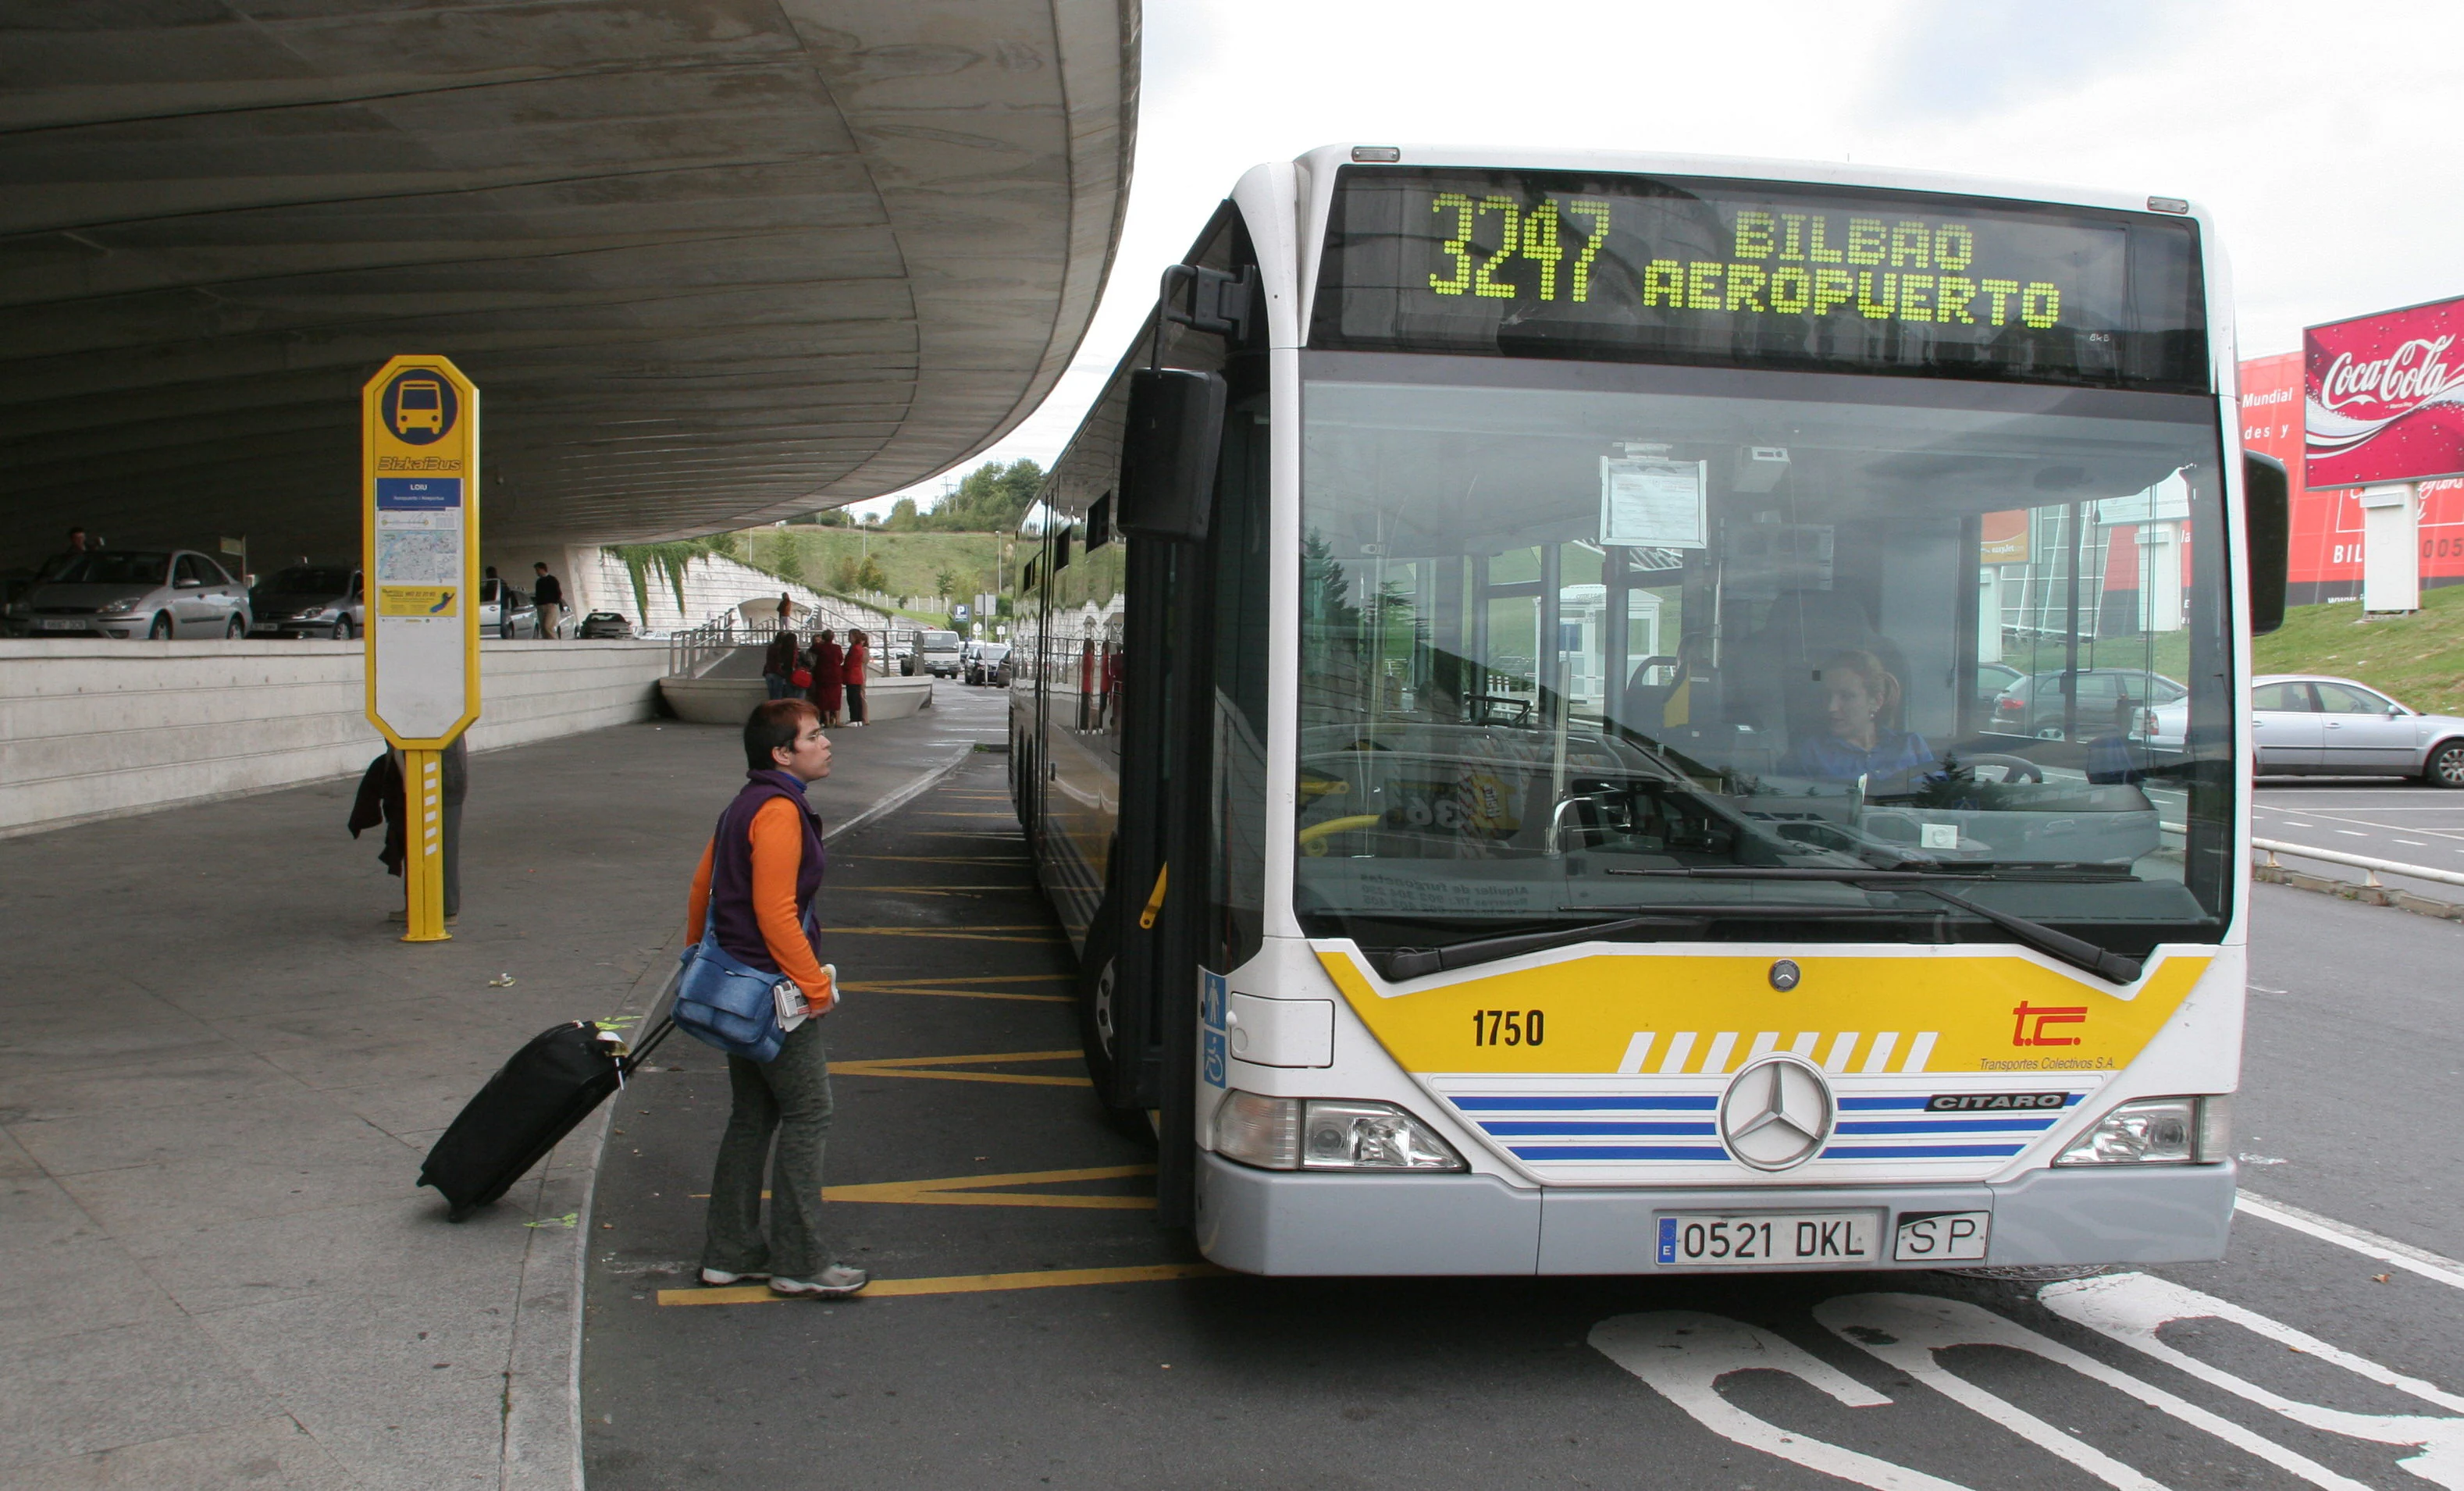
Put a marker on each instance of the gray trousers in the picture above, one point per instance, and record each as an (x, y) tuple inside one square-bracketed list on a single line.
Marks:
[(790, 1097)]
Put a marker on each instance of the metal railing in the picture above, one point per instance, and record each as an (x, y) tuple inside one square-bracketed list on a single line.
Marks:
[(694, 652), (2371, 867)]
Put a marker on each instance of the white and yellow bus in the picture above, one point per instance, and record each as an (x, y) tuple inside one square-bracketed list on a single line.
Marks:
[(1513, 700)]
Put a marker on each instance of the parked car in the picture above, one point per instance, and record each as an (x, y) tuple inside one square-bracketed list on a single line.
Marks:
[(309, 600), (506, 612), (988, 663), (934, 653), (2107, 700), (605, 623), (1992, 678), (2311, 725), (154, 593)]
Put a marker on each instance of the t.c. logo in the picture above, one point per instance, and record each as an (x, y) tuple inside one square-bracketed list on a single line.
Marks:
[(2028, 1022)]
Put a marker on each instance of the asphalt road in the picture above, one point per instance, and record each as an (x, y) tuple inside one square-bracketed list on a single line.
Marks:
[(2383, 818), (968, 1161)]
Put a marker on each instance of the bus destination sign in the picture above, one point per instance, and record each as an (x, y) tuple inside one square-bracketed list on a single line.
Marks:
[(1758, 273)]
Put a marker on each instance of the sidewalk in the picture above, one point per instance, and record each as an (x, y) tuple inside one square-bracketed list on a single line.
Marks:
[(219, 1067)]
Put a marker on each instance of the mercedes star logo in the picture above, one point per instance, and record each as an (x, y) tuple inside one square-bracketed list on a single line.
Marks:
[(1778, 1112)]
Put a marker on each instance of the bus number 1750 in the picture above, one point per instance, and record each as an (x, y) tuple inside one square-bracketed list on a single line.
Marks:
[(1508, 1027)]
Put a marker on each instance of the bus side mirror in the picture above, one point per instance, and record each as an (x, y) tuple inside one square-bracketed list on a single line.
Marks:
[(2267, 525), (1175, 429)]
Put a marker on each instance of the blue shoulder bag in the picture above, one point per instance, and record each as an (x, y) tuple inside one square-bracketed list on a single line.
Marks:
[(724, 1001)]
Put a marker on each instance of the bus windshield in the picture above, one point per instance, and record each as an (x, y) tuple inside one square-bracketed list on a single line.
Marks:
[(1571, 630)]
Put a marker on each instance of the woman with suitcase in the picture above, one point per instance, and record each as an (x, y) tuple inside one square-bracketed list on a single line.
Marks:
[(754, 890)]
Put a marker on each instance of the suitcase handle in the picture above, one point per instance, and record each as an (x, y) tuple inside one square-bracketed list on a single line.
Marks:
[(658, 1032)]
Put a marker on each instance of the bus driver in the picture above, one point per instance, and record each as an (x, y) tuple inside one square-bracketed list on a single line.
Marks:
[(1861, 708)]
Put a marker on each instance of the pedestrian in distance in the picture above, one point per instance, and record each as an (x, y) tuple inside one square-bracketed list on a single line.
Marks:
[(777, 661), (755, 886), (786, 611), (859, 658), (827, 661), (549, 598)]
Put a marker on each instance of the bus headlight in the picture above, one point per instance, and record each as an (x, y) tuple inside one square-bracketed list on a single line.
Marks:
[(1326, 1133), (2157, 1131)]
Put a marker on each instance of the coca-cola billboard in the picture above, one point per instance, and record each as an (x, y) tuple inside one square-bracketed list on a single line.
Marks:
[(2384, 396)]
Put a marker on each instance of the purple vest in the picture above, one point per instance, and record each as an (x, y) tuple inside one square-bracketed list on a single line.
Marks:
[(731, 868)]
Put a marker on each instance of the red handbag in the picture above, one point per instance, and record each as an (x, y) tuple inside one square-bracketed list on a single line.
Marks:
[(802, 678)]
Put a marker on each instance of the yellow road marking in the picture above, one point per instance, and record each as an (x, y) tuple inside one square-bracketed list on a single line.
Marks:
[(935, 986), (970, 1190), (910, 1066), (938, 859), (982, 934), (965, 994), (962, 1284), (975, 1189), (971, 979)]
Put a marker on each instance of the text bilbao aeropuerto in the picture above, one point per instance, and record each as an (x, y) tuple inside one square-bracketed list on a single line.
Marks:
[(1759, 274)]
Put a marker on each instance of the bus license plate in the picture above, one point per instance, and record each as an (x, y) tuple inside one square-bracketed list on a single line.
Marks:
[(1753, 1239), (1941, 1236)]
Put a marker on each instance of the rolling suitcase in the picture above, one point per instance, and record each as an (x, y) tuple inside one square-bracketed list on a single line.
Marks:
[(534, 1100)]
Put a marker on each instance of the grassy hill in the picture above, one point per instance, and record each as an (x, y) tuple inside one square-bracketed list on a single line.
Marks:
[(909, 562), (2419, 659)]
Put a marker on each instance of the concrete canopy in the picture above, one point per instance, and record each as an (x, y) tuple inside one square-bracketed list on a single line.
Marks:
[(711, 262)]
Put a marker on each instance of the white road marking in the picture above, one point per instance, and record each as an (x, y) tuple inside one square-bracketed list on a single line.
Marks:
[(2353, 833), (1683, 1354), (2413, 843), (2131, 1308), (1906, 1330), (2369, 1244)]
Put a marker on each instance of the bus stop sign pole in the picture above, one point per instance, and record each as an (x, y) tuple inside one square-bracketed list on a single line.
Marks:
[(419, 423)]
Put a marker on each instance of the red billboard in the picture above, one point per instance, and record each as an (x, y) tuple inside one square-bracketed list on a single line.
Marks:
[(2326, 540), (2384, 396)]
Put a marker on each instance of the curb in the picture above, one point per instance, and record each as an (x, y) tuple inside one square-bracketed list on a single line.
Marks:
[(2355, 890)]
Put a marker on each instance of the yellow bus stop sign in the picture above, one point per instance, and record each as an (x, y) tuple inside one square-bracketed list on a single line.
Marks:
[(419, 421)]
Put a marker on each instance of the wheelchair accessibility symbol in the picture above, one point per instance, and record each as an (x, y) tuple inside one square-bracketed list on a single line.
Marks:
[(420, 407)]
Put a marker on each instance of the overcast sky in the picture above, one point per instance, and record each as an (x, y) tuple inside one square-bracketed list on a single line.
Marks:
[(2322, 136)]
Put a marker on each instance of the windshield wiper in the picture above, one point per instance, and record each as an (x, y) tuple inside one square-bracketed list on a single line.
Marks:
[(1419, 962), (2106, 964)]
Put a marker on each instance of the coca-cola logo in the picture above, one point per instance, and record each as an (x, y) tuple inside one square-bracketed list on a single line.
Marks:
[(2410, 374)]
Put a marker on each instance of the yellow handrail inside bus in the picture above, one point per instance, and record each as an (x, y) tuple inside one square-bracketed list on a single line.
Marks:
[(1154, 901), (1313, 838)]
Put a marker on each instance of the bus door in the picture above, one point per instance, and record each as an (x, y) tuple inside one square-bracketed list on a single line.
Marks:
[(1156, 898)]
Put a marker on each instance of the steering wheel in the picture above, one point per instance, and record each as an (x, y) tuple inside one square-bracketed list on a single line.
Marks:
[(2014, 768)]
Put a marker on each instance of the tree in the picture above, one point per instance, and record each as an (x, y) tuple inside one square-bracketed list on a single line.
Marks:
[(903, 516), (944, 582), (845, 578), (870, 577), (990, 498)]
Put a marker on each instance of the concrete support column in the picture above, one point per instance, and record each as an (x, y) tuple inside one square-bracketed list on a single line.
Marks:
[(2390, 548)]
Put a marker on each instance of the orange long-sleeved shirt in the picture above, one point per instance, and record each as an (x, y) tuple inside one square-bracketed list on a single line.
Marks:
[(778, 836)]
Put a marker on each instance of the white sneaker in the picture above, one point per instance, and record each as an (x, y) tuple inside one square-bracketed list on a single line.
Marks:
[(721, 1277), (834, 1282)]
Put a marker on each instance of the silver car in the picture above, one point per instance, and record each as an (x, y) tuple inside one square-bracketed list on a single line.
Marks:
[(2310, 725), (310, 600), (156, 593), (505, 612)]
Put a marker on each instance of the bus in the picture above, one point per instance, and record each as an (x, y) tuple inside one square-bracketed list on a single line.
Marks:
[(1504, 705)]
